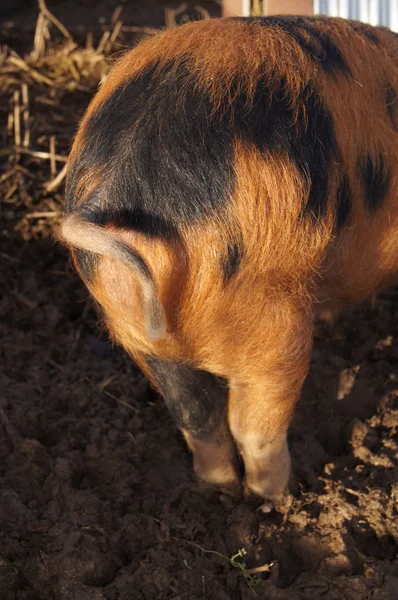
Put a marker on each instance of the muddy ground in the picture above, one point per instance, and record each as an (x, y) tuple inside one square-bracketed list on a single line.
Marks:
[(97, 497)]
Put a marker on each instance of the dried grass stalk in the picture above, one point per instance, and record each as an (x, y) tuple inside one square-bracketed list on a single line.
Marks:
[(44, 10), (53, 185), (25, 109), (17, 120)]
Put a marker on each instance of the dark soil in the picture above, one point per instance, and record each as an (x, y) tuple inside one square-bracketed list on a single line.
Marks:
[(97, 497)]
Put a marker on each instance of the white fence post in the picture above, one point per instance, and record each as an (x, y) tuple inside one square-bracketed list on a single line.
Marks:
[(375, 12)]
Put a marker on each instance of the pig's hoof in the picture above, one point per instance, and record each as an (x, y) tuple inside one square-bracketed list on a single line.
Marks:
[(232, 488), (266, 507), (271, 482), (224, 480)]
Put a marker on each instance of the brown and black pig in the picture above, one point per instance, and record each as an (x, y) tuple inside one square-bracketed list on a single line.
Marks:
[(231, 179)]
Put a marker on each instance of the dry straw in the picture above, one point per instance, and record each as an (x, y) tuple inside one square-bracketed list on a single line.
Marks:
[(42, 96)]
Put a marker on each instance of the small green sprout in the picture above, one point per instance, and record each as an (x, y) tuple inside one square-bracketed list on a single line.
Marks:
[(240, 564)]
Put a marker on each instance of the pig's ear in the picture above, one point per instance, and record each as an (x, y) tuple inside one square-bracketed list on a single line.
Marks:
[(83, 235)]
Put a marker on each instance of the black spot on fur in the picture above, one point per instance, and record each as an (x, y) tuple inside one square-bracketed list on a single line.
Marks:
[(165, 154), (314, 151), (376, 178), (133, 218), (165, 158), (311, 144), (391, 100), (369, 32), (196, 399), (310, 38), (231, 262), (343, 204), (86, 263)]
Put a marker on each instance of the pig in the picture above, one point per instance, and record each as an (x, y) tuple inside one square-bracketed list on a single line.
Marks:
[(232, 179)]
